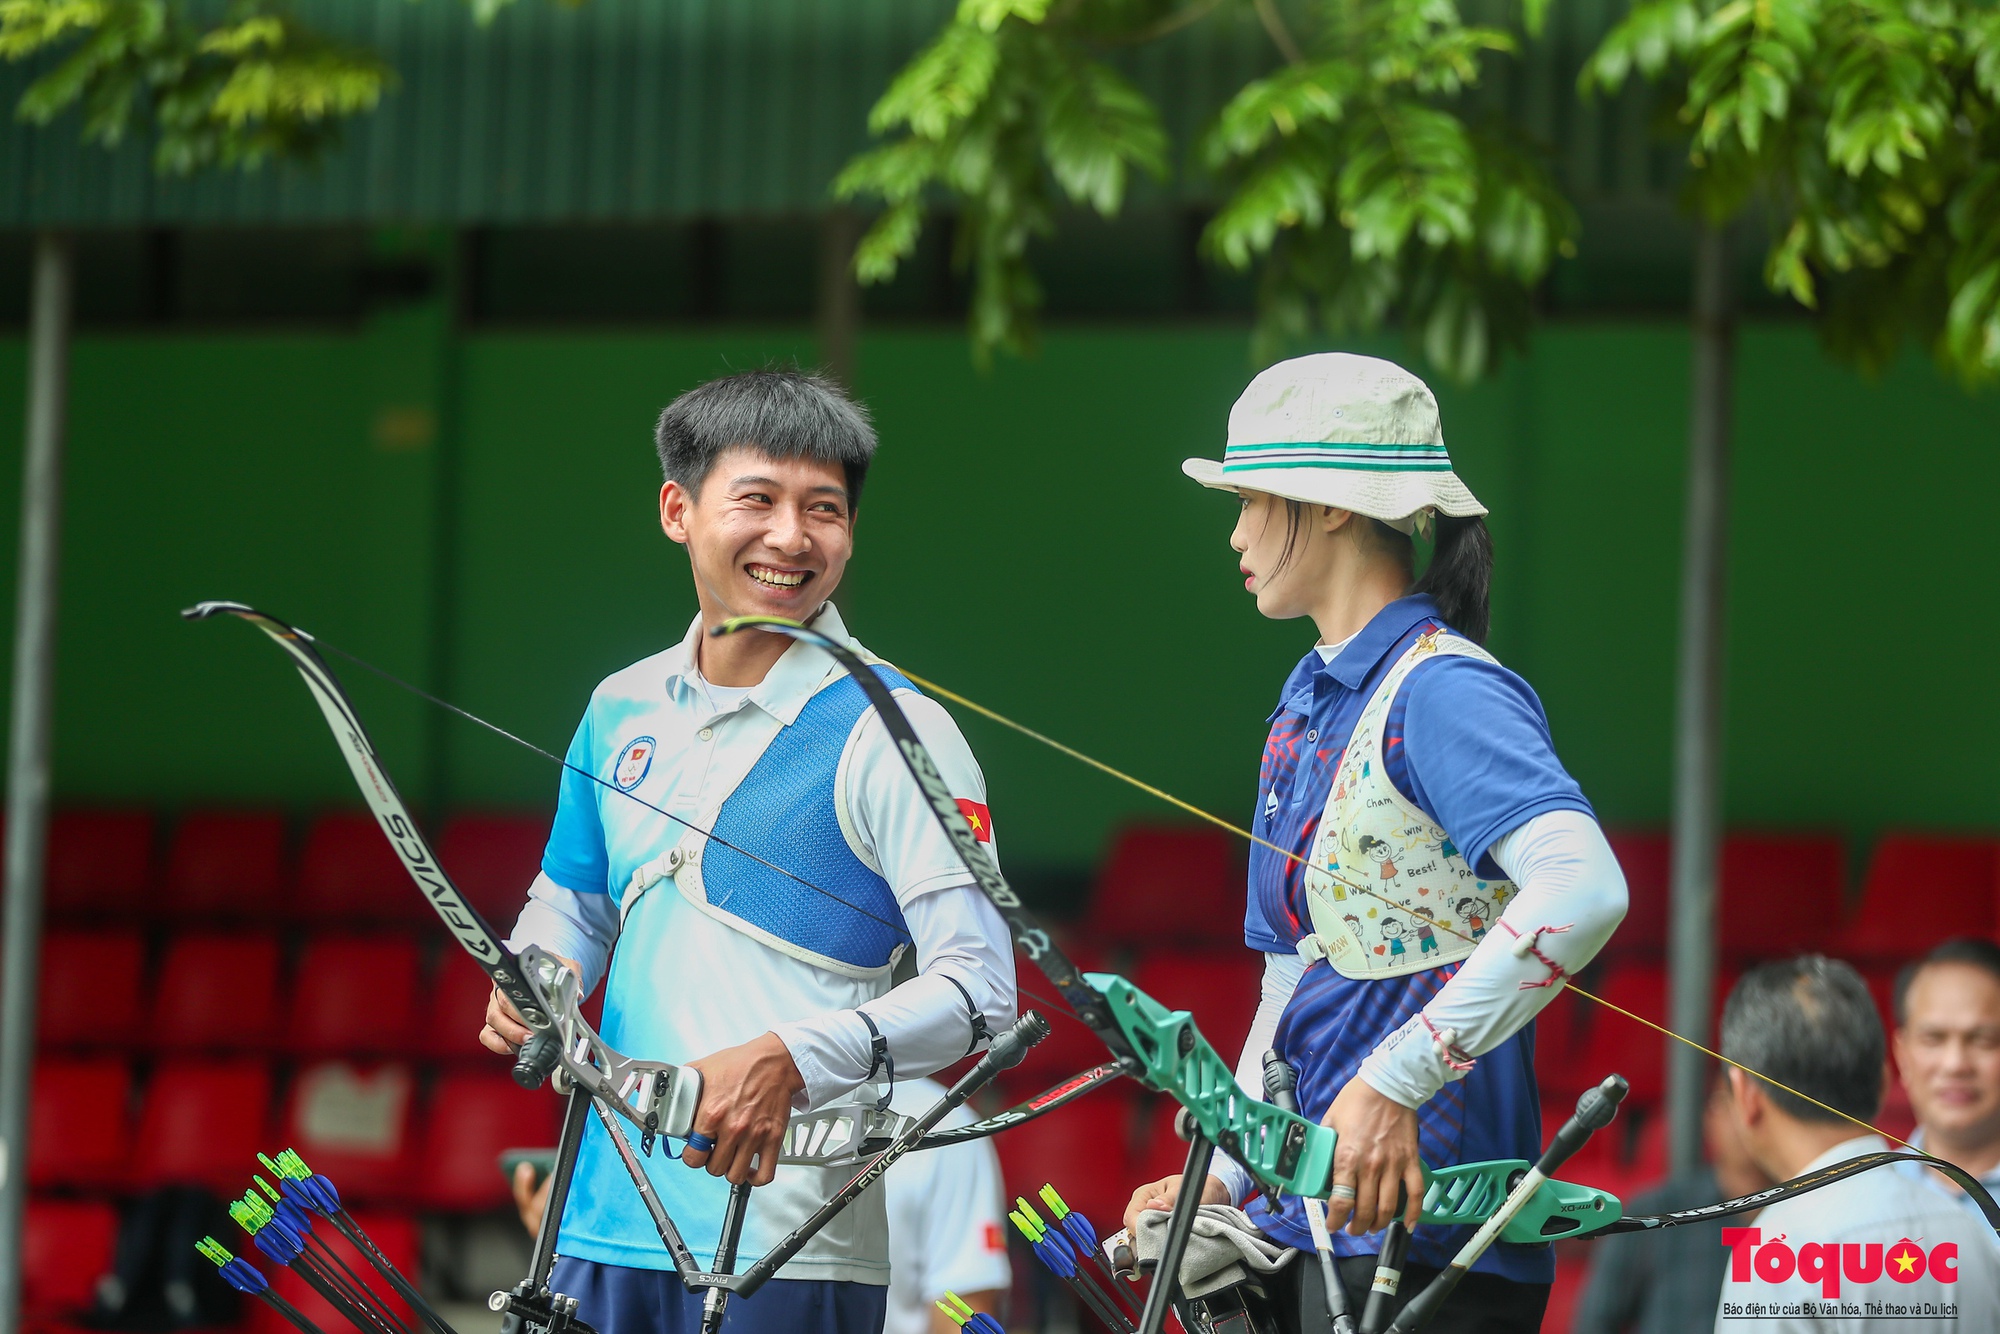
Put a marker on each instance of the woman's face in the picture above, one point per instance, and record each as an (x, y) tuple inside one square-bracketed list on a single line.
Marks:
[(1282, 584)]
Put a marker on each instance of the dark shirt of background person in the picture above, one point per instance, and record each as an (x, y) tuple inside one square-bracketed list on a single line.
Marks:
[(1667, 1282)]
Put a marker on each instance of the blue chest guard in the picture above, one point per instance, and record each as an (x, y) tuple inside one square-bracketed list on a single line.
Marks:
[(784, 812)]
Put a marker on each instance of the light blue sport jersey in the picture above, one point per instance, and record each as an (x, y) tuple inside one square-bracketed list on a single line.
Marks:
[(715, 949)]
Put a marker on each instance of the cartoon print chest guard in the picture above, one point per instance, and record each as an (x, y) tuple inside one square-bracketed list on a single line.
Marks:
[(786, 811), (1436, 908)]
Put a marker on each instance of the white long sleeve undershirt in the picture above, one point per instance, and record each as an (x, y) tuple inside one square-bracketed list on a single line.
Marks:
[(1566, 876), (957, 932)]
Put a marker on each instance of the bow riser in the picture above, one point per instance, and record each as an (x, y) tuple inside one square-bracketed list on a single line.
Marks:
[(1288, 1153)]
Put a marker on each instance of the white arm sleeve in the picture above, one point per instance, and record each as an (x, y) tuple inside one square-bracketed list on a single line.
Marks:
[(960, 938), (578, 927), (1572, 896), (1281, 978)]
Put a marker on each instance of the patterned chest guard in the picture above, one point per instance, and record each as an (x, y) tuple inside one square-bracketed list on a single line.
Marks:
[(1373, 835)]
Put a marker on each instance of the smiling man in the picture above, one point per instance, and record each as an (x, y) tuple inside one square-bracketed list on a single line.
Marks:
[(770, 973), (1948, 1052)]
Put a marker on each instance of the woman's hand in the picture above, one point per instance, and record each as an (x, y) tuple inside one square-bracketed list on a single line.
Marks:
[(1376, 1154), (1161, 1195)]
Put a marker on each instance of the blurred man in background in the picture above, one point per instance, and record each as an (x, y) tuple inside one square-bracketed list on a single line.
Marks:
[(1665, 1282), (946, 1216), (1948, 1052), (1876, 1246)]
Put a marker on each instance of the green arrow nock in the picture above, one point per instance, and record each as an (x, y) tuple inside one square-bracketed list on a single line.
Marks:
[(1057, 1209), (250, 1212), (956, 1309), (1028, 1230), (214, 1250)]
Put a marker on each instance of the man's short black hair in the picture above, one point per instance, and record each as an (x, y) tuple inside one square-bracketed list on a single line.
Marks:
[(1809, 1023), (1970, 950), (781, 410)]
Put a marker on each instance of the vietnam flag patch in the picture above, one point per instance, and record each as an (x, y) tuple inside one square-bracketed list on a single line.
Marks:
[(979, 818)]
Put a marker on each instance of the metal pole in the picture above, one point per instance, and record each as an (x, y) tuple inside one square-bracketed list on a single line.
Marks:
[(1698, 696), (28, 741)]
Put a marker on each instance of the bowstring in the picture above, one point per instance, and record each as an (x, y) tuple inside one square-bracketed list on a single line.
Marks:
[(497, 730), (1057, 1005), (1333, 874)]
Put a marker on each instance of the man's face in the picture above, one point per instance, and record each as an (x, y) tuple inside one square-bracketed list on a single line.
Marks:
[(766, 537), (1949, 1052)]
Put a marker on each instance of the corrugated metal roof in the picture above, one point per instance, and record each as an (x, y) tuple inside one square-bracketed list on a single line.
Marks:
[(656, 109)]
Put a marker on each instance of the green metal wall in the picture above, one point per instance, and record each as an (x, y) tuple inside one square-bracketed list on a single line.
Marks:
[(478, 514), (651, 109)]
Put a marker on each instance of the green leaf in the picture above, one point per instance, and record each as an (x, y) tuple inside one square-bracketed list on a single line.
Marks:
[(887, 243), (1289, 191), (942, 86), (988, 15), (1096, 124), (1298, 95)]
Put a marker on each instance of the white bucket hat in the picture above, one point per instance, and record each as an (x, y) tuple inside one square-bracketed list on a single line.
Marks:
[(1357, 433)]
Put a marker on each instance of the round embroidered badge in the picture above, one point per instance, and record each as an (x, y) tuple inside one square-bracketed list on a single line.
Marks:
[(634, 762)]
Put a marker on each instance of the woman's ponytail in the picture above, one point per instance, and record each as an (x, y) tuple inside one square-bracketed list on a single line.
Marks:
[(1460, 576)]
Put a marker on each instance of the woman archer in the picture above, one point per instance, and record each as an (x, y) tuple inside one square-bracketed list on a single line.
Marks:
[(1398, 742)]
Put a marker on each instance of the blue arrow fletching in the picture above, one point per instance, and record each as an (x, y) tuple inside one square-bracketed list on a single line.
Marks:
[(243, 1276)]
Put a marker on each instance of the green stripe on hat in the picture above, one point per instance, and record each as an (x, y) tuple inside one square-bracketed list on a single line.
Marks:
[(1375, 446), (1350, 465)]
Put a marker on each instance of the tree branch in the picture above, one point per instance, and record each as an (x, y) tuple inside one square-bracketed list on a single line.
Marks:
[(1281, 36)]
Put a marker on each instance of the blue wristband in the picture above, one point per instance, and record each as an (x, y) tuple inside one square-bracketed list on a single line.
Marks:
[(699, 1142)]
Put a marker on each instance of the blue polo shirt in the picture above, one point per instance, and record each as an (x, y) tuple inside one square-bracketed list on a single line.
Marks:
[(1467, 743)]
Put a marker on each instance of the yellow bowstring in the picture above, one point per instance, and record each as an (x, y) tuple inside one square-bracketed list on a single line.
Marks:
[(1220, 823)]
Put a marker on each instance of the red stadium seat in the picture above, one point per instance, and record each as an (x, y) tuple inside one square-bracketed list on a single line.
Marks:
[(1162, 1152), (348, 872), (1781, 894), (454, 1006), (1647, 860), (471, 1118), (218, 991), (226, 864), (202, 1123), (1955, 880), (68, 1245), (1084, 1149), (100, 864), (355, 995), (1069, 1048), (1167, 884), (91, 987), (1616, 1045), (1881, 980), (1219, 990), (80, 1120), (1572, 1273), (1562, 1031), (394, 1234), (493, 859), (352, 1125)]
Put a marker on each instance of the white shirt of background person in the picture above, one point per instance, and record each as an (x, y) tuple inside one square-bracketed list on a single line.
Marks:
[(946, 1216)]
